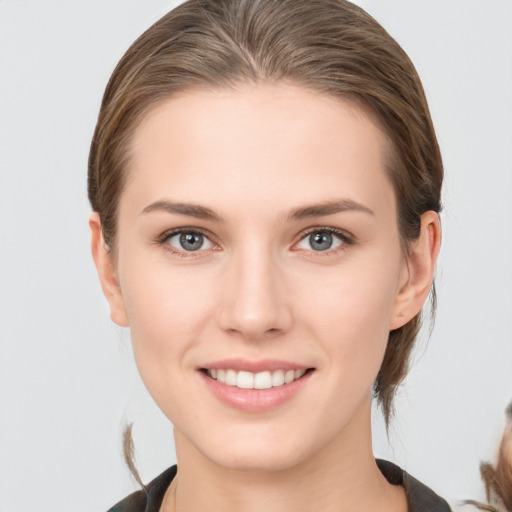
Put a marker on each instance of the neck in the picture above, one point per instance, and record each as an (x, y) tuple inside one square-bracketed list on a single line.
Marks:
[(342, 477)]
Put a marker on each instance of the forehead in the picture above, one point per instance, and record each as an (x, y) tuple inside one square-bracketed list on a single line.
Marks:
[(273, 144)]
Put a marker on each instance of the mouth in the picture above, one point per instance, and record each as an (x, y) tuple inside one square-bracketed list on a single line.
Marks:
[(255, 386), (261, 380)]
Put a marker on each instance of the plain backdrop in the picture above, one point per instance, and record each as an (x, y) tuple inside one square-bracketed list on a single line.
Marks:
[(67, 379)]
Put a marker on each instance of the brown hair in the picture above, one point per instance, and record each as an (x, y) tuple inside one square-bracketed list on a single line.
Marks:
[(329, 46), (498, 478)]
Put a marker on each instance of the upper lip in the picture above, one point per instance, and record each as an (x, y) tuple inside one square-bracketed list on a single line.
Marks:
[(247, 365)]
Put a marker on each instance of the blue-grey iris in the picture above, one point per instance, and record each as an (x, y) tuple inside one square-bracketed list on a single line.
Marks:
[(320, 241), (191, 241)]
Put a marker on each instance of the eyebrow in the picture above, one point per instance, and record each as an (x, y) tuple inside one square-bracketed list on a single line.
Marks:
[(328, 208), (192, 210), (315, 210)]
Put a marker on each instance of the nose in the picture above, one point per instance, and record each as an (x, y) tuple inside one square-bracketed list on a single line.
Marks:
[(255, 302)]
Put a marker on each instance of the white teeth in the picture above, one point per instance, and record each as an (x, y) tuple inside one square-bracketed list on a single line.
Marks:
[(231, 378), (260, 380), (299, 374), (278, 378), (245, 380), (263, 380), (289, 376)]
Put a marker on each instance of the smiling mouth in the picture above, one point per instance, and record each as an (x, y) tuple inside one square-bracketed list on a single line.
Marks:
[(260, 380)]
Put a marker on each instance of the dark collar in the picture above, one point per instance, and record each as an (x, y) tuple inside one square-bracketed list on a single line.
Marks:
[(419, 497)]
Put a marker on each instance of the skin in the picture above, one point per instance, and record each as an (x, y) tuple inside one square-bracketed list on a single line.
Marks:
[(257, 289)]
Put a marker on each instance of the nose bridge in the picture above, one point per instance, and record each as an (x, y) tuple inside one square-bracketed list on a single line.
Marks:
[(255, 303)]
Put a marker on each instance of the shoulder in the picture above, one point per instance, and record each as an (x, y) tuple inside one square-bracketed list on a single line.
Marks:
[(420, 498), (148, 499)]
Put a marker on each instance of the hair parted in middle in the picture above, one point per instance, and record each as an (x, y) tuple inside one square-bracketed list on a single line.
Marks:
[(329, 46)]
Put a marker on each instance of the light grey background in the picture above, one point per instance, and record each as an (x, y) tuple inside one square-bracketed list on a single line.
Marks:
[(67, 379)]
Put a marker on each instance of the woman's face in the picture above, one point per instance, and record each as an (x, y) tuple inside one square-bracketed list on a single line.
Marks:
[(257, 239)]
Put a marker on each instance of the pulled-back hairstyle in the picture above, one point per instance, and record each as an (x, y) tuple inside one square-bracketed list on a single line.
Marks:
[(329, 46)]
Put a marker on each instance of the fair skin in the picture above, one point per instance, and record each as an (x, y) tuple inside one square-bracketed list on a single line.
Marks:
[(264, 283)]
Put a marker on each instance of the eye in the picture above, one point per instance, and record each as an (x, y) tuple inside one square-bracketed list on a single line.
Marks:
[(188, 241), (323, 239)]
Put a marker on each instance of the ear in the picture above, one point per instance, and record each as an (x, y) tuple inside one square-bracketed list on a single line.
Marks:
[(418, 274), (106, 272)]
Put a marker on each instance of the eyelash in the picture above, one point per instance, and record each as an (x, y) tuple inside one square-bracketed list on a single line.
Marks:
[(165, 237), (345, 238)]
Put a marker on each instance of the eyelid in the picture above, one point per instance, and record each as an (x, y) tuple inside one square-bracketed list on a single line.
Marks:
[(345, 237), (166, 235)]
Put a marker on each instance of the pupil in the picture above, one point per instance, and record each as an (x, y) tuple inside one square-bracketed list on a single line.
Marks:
[(321, 241), (191, 241)]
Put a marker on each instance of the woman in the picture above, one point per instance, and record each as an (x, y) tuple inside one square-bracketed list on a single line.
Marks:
[(265, 182)]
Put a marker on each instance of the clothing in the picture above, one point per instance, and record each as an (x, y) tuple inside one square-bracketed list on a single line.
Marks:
[(419, 497)]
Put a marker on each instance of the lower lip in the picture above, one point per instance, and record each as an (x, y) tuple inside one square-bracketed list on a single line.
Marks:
[(255, 400)]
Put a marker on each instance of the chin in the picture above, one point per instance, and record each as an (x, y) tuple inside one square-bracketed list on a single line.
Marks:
[(254, 461), (271, 449)]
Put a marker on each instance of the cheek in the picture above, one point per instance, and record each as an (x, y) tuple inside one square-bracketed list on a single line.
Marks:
[(166, 310), (351, 313)]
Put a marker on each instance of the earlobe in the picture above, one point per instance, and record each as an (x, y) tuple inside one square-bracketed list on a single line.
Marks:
[(419, 271), (106, 272)]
